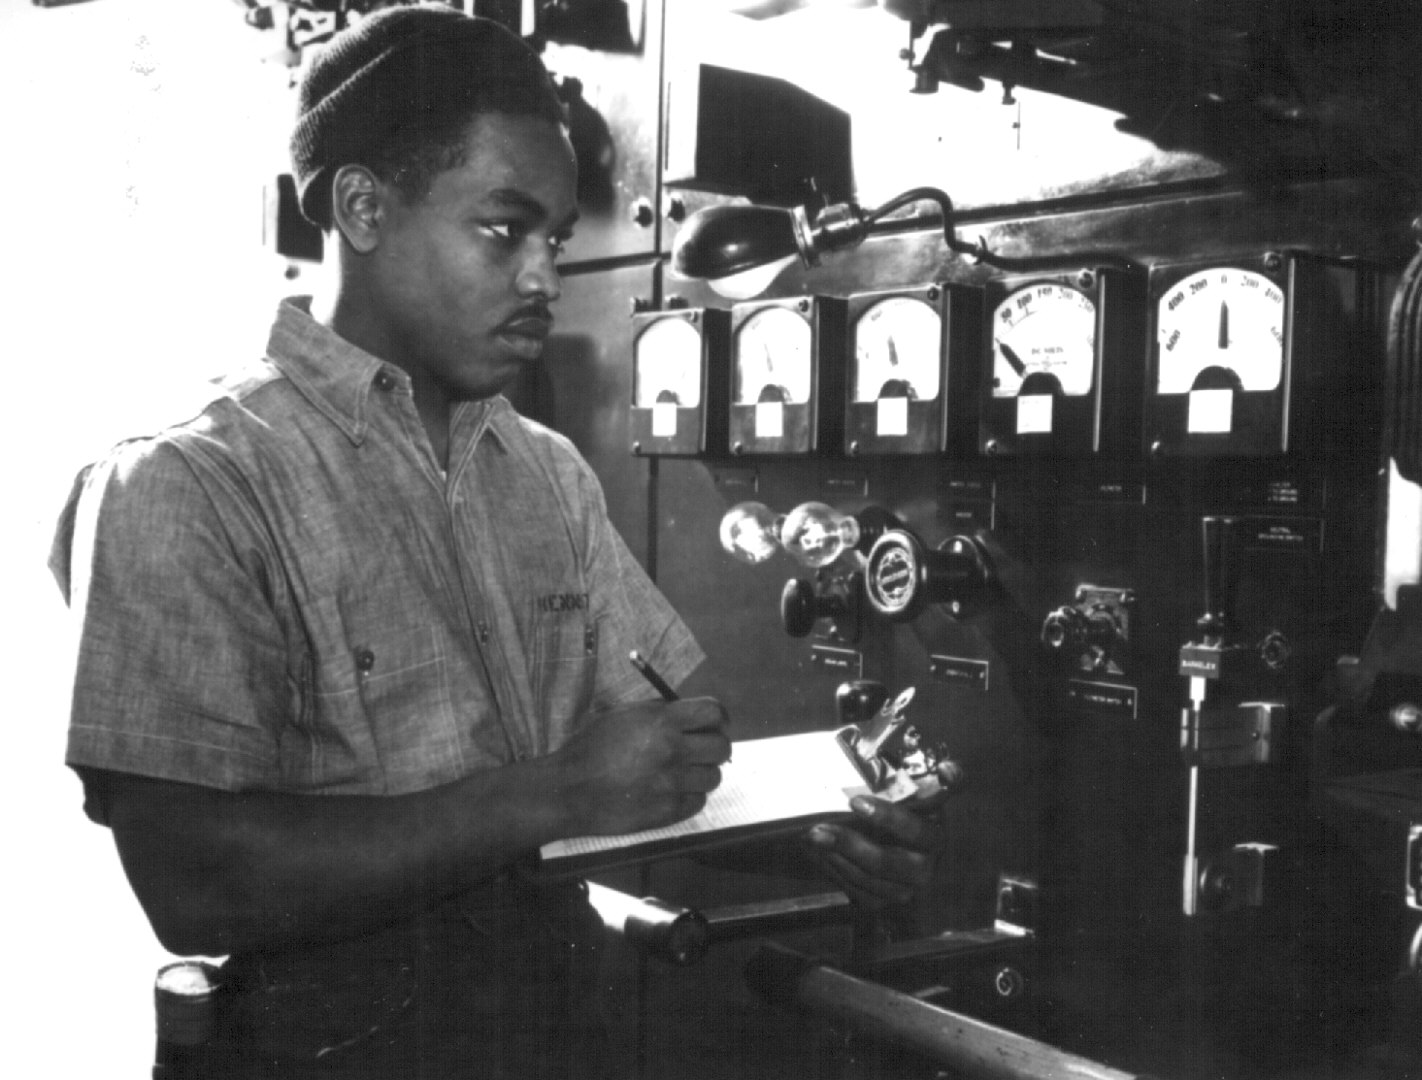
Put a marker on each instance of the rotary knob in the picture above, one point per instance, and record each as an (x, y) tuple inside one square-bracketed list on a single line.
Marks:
[(903, 575)]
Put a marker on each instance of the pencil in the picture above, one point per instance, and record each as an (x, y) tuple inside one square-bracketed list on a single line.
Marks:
[(650, 674)]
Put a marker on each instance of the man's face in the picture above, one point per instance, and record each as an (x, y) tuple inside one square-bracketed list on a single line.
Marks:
[(462, 279)]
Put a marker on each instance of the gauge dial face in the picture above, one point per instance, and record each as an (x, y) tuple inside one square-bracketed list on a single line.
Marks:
[(1044, 342), (1226, 319), (773, 358), (897, 349), (666, 365)]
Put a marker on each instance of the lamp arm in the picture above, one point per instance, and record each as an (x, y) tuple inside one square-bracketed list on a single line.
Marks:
[(980, 252)]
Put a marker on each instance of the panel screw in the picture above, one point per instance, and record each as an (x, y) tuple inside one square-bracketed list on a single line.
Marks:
[(1086, 279)]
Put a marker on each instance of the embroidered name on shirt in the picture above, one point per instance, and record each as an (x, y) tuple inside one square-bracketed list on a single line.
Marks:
[(566, 601)]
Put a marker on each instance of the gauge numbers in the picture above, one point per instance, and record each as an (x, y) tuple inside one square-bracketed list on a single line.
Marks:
[(1221, 329), (1044, 342)]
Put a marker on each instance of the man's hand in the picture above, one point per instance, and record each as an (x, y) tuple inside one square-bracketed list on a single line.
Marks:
[(885, 855), (642, 766)]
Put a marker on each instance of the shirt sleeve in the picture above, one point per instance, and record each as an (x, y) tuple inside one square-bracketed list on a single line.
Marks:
[(634, 614), (181, 667)]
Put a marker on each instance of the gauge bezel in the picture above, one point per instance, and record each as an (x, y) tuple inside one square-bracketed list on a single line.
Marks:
[(684, 431), (929, 425), (805, 427), (1106, 419), (1257, 423)]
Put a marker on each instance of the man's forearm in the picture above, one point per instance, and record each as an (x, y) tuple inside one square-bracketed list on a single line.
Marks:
[(219, 872)]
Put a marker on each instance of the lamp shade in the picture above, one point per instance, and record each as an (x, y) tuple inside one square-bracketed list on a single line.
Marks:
[(719, 241)]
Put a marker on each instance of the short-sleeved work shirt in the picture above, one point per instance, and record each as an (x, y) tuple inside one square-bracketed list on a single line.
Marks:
[(286, 592)]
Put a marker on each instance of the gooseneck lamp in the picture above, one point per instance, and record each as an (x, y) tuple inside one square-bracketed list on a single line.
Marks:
[(739, 249)]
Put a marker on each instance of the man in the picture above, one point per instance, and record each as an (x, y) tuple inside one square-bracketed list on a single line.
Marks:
[(318, 700)]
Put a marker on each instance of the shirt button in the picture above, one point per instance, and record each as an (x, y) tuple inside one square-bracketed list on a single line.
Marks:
[(385, 381), (364, 660)]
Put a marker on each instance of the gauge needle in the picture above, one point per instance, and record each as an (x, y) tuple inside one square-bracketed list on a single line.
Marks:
[(1013, 359), (1224, 325), (893, 354)]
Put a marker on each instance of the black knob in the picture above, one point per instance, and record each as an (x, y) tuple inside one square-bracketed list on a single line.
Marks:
[(858, 700), (801, 606)]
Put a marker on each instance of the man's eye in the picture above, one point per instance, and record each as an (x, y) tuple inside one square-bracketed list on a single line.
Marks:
[(511, 231), (559, 244)]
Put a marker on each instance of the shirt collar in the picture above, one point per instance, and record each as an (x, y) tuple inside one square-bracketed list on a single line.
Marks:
[(337, 377)]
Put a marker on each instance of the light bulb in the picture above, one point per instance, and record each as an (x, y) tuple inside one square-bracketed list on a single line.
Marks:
[(750, 531), (816, 534)]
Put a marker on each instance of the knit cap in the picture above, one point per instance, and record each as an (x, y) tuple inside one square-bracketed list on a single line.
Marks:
[(425, 65)]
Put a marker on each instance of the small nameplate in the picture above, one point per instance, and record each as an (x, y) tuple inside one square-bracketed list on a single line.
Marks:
[(1284, 534), (850, 661), (957, 669), (736, 480), (845, 484), (1110, 698), (1200, 662)]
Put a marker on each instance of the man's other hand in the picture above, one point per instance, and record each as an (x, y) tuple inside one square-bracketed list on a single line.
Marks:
[(885, 855)]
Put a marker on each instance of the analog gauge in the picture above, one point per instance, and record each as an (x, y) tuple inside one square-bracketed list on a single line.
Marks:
[(1221, 328), (667, 365), (1044, 342), (773, 358), (897, 345)]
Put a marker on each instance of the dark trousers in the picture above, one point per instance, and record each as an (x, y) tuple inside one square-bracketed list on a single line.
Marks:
[(499, 985)]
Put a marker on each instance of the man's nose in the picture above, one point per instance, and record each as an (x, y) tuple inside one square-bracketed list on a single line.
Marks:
[(539, 275)]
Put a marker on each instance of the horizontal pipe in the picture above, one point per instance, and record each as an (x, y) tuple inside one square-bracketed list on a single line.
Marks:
[(976, 1050)]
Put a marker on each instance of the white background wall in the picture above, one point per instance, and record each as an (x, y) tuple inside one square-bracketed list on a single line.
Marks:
[(135, 136)]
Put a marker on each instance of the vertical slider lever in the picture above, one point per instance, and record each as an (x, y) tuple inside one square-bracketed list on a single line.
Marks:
[(1202, 662), (1221, 566)]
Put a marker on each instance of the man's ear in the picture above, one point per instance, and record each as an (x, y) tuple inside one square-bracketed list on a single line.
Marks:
[(356, 209)]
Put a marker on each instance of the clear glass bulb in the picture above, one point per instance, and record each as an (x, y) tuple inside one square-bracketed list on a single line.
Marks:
[(816, 534), (750, 531)]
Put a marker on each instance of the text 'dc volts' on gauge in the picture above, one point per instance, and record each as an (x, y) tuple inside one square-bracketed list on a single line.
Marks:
[(897, 367), (1221, 357), (679, 381), (785, 362), (1054, 345)]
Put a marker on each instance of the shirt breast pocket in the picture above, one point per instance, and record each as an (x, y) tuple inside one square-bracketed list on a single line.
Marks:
[(403, 683), (565, 672)]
